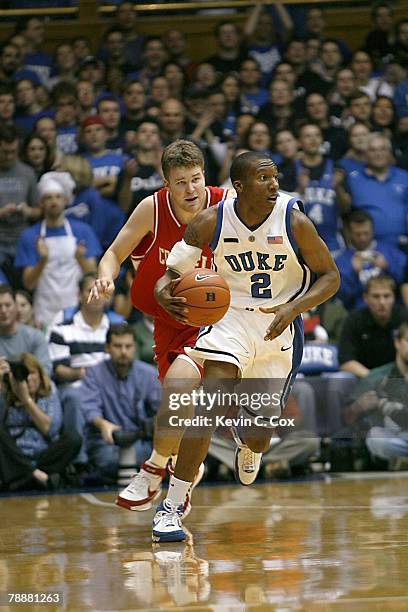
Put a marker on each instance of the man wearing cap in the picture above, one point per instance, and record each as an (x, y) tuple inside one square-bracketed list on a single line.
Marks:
[(55, 253), (106, 163)]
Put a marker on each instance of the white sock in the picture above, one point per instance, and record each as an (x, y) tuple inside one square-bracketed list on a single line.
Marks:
[(157, 460), (178, 490)]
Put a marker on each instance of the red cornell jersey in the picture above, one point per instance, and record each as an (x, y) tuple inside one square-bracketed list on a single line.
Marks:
[(155, 248)]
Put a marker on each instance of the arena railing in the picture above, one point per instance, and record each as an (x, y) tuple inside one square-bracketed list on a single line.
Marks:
[(86, 8)]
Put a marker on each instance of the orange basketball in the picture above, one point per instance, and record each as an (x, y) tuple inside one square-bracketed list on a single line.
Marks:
[(207, 295)]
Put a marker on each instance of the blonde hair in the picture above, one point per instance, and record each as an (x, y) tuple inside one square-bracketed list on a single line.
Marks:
[(79, 168), (181, 154)]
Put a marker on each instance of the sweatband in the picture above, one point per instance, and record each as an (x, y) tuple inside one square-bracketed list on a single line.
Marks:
[(183, 257)]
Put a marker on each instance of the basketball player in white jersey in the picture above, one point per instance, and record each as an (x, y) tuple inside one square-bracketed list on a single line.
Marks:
[(267, 251)]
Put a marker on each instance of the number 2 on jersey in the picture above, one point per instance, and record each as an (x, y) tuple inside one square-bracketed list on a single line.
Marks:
[(260, 284)]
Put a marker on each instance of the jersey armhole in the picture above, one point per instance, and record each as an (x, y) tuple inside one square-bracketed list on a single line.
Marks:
[(214, 242), (294, 202)]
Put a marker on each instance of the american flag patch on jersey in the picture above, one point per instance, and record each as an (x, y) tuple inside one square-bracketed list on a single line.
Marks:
[(274, 239)]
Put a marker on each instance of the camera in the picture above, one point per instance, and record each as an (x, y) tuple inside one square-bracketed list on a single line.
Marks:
[(19, 370)]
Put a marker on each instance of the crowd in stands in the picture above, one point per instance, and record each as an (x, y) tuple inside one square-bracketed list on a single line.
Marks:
[(81, 137)]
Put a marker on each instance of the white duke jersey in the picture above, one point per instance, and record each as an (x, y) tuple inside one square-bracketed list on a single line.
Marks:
[(261, 266)]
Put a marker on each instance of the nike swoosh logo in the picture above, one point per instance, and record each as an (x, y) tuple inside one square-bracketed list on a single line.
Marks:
[(283, 348), (199, 277)]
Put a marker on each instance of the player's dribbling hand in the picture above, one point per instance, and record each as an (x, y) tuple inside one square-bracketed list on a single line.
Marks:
[(285, 314), (103, 288), (173, 305)]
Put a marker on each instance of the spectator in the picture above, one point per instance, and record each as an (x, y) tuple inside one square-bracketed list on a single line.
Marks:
[(134, 99), (108, 109), (28, 108), (366, 340), (365, 258), (36, 153), (46, 128), (264, 42), (315, 25), (141, 175), (18, 193), (355, 156), (92, 70), (114, 45), (205, 77), (35, 59), (24, 303), (345, 85), (81, 47), (278, 112), (86, 330), (230, 53), (159, 91), (85, 203), (7, 104), (86, 97), (126, 20), (175, 42), (243, 123), (54, 254), (176, 79), (65, 64), (77, 342), (383, 116), (258, 138), (253, 96), (381, 190), (334, 136), (15, 337), (172, 121), (106, 163), (359, 109), (11, 68), (154, 57), (306, 79), (379, 43), (317, 187), (287, 146), (32, 453), (379, 404), (330, 61), (362, 66), (119, 393), (65, 100)]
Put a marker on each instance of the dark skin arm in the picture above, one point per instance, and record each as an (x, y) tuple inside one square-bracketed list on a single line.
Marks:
[(199, 232), (318, 259)]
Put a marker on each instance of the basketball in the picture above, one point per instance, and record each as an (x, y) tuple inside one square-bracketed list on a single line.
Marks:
[(207, 295)]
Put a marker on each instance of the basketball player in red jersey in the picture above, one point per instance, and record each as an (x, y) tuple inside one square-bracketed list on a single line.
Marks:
[(157, 223)]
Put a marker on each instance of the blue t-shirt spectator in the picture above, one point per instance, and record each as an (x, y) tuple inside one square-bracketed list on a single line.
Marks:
[(385, 201)]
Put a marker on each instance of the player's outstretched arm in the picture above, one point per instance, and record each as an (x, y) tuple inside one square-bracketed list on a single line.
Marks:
[(182, 258), (319, 260), (136, 227)]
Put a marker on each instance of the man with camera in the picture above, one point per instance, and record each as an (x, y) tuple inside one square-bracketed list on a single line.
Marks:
[(365, 258), (380, 404)]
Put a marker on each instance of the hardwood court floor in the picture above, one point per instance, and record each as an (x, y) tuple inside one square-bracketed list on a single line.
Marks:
[(339, 544)]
